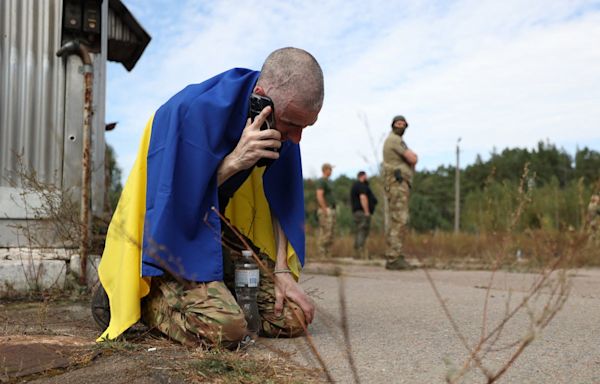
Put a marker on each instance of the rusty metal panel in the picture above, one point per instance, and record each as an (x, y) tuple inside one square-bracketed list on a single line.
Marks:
[(32, 89)]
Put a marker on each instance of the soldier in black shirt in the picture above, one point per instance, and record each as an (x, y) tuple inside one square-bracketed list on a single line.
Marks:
[(363, 204)]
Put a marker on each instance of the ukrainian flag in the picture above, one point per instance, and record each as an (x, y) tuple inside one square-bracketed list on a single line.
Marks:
[(164, 221)]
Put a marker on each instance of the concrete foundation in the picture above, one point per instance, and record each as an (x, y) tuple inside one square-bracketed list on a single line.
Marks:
[(25, 275), (31, 269), (92, 268)]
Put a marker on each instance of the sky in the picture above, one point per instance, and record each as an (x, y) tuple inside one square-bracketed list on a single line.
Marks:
[(495, 74)]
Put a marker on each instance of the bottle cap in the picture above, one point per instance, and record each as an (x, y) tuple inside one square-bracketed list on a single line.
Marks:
[(247, 253)]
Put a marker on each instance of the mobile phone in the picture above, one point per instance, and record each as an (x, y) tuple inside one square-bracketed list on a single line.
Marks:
[(257, 104)]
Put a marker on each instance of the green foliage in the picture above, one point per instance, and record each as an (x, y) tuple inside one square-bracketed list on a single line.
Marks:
[(341, 191), (557, 189), (437, 190), (425, 214), (310, 202), (113, 181), (488, 210), (587, 164)]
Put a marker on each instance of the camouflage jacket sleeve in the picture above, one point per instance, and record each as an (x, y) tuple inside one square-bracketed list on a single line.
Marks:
[(400, 146)]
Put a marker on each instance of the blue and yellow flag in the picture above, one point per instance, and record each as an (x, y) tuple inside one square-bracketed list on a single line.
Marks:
[(164, 219)]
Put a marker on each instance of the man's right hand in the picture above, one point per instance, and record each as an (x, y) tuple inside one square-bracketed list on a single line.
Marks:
[(254, 144), (287, 287), (410, 157)]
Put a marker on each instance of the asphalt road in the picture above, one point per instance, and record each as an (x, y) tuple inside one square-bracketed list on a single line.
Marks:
[(400, 334)]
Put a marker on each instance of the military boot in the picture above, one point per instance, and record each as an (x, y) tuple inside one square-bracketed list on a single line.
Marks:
[(100, 307), (398, 264)]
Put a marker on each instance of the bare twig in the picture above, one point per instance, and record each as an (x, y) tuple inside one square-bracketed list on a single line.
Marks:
[(345, 328), (556, 291), (455, 327)]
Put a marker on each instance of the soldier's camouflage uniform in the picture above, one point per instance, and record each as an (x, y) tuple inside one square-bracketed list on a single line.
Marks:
[(326, 219), (362, 223), (207, 313), (203, 313), (326, 231), (593, 220), (397, 178)]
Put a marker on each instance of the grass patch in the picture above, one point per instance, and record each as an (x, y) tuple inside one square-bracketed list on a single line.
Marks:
[(229, 368), (118, 345), (520, 251)]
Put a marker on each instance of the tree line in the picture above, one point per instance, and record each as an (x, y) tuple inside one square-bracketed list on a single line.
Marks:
[(550, 187)]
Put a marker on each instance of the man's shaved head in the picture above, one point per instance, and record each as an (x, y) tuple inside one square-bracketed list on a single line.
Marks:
[(293, 73)]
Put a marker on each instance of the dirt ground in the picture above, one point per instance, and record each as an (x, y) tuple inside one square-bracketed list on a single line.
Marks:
[(398, 333), (52, 341)]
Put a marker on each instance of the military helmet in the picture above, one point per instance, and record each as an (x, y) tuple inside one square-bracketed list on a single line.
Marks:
[(397, 118)]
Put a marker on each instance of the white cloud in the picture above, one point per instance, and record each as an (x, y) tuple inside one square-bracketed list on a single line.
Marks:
[(495, 73)]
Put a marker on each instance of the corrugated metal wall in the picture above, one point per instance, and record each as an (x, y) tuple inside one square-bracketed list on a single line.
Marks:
[(41, 109), (118, 30), (32, 87), (99, 124)]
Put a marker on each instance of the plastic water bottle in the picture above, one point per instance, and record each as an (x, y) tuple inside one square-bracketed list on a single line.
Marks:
[(247, 277)]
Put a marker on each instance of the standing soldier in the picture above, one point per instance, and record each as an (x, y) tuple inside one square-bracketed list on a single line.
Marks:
[(325, 211), (593, 219), (398, 170), (363, 205)]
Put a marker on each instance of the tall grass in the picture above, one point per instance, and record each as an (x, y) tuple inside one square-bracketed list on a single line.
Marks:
[(527, 249)]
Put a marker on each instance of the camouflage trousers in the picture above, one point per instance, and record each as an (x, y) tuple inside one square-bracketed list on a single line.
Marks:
[(397, 195), (326, 231), (594, 232), (207, 313), (362, 225)]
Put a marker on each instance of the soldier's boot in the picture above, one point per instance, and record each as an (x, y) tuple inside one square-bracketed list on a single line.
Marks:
[(398, 264)]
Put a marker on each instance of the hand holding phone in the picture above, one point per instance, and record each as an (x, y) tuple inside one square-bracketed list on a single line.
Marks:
[(257, 104)]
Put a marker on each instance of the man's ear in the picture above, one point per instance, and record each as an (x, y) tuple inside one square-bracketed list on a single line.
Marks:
[(260, 90)]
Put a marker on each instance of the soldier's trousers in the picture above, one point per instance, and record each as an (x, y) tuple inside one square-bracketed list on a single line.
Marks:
[(207, 313), (362, 223), (594, 234), (397, 195), (326, 231)]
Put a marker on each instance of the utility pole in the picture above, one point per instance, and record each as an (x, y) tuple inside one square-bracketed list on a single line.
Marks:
[(457, 190)]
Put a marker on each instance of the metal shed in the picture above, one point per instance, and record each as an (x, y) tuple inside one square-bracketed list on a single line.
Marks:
[(42, 95)]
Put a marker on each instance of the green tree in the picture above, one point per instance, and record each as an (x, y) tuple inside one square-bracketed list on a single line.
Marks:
[(424, 214), (489, 192), (112, 180), (433, 189), (587, 165)]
